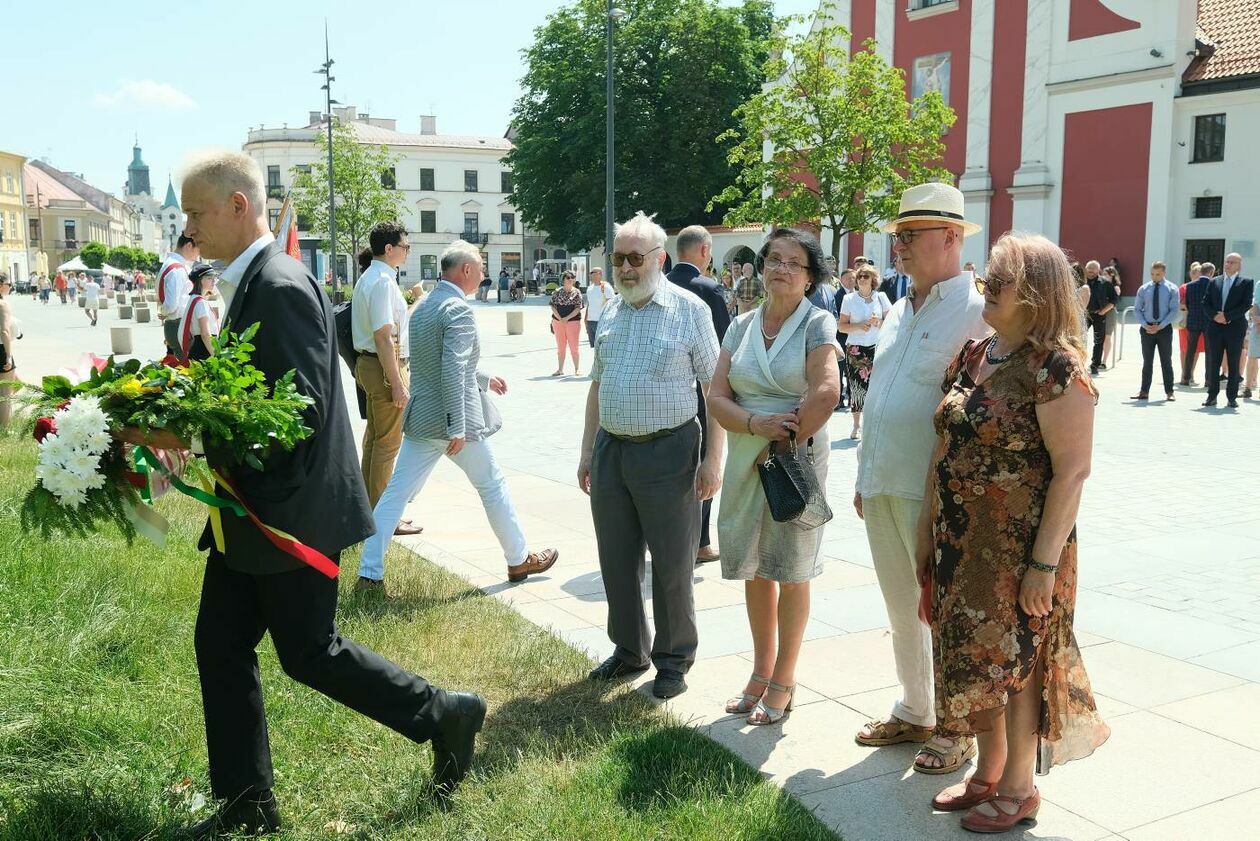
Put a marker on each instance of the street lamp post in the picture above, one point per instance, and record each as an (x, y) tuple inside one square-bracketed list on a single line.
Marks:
[(614, 15), (326, 70)]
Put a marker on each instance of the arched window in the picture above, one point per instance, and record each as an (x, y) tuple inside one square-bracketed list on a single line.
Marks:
[(540, 254), (560, 254)]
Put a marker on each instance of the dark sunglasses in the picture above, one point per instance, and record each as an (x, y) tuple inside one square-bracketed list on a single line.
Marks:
[(991, 284), (635, 260)]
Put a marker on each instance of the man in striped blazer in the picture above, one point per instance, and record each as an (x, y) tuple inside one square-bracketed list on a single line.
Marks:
[(449, 413)]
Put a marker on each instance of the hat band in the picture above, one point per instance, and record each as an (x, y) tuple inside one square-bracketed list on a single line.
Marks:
[(944, 214)]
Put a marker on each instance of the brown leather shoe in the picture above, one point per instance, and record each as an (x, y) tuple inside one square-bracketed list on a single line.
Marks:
[(405, 528), (536, 562)]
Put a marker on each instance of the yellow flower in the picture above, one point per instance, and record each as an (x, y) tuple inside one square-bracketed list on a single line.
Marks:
[(130, 389)]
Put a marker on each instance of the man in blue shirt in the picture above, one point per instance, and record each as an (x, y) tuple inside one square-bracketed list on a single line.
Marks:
[(1156, 307)]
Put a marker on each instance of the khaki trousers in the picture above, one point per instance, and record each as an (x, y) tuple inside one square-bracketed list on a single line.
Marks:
[(891, 525), (383, 435)]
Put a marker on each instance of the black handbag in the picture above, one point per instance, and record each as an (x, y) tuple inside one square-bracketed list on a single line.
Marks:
[(791, 486)]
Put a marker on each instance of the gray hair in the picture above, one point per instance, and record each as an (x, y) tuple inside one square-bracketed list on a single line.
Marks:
[(227, 172), (692, 237), (642, 226), (457, 254)]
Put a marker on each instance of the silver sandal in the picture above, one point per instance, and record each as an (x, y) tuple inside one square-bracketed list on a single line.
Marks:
[(747, 702), (770, 715)]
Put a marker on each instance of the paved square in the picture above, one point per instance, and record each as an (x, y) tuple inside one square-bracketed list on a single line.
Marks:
[(1168, 613)]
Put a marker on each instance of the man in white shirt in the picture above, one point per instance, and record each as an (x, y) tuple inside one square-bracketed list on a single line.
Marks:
[(91, 298), (378, 318), (173, 288), (918, 340), (598, 294)]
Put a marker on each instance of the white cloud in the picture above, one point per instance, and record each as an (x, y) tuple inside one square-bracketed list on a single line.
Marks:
[(144, 93)]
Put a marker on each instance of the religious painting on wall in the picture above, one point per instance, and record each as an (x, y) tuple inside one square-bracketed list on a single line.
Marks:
[(931, 73)]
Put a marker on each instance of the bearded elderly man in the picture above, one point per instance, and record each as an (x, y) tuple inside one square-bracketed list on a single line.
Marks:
[(641, 457)]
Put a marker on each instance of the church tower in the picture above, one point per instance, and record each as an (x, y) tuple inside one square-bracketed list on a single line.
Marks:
[(138, 174), (172, 216)]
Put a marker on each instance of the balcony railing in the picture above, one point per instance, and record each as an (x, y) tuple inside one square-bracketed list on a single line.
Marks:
[(275, 191), (476, 237)]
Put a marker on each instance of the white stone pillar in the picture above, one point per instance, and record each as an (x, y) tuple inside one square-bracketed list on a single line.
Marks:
[(885, 25), (976, 183), (1033, 181)]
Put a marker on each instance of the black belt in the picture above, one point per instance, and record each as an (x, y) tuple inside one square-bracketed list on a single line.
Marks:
[(651, 436)]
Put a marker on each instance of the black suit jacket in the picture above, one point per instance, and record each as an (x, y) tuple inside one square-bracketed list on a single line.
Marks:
[(1235, 309), (889, 288), (315, 492), (706, 289)]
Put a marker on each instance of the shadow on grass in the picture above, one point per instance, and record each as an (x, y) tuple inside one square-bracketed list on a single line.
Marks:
[(376, 605)]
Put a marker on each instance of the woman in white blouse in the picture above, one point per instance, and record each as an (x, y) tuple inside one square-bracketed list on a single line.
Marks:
[(861, 313), (199, 325)]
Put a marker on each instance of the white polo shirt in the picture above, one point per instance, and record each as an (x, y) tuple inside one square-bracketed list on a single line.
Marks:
[(174, 287), (913, 352), (377, 302), (597, 297)]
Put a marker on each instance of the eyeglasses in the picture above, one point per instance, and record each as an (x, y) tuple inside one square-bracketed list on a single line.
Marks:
[(790, 266), (635, 260), (406, 246), (991, 284), (907, 236)]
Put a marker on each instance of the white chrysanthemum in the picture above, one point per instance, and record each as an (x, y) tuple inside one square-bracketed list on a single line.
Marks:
[(70, 460)]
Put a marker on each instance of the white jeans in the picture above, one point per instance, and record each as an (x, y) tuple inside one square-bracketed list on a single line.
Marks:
[(416, 460), (891, 524)]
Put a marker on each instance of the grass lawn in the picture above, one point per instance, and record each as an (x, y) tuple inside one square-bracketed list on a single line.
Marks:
[(101, 733)]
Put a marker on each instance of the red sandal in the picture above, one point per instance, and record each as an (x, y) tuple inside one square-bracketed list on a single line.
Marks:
[(1025, 810), (970, 792)]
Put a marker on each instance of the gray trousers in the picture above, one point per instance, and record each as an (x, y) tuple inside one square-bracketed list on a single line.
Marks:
[(643, 496)]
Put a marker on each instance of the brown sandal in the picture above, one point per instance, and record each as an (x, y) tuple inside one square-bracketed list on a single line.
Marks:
[(951, 758), (1025, 810), (970, 792), (894, 731)]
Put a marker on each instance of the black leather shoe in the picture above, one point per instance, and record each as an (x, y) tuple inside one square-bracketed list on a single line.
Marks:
[(1210, 403), (1233, 404), (250, 814), (461, 718), (668, 684), (614, 667)]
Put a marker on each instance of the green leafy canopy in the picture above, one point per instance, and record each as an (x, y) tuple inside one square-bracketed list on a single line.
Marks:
[(847, 141), (681, 68)]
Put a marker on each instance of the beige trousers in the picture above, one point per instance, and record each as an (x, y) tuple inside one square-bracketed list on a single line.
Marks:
[(383, 435), (891, 524)]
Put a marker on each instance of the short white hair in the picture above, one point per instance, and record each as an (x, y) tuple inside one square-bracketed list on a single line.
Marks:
[(457, 254), (642, 226), (1095, 264), (227, 172)]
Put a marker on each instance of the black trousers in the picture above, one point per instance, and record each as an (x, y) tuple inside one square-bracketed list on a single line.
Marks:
[(1192, 350), (1161, 341), (1099, 323), (298, 609), (1224, 343), (706, 507)]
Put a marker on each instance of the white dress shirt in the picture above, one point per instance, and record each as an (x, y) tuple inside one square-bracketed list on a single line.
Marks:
[(232, 276), (597, 297), (377, 301), (913, 352), (174, 287)]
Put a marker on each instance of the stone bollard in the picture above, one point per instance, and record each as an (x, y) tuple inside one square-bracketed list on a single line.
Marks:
[(151, 296), (120, 298), (143, 315), (137, 300), (103, 304), (515, 323), (82, 302), (120, 340), (124, 311)]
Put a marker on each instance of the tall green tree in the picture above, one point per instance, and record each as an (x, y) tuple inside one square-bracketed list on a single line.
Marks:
[(360, 171), (846, 139), (681, 67), (93, 254)]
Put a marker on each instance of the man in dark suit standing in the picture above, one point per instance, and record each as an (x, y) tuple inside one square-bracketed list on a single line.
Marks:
[(897, 286), (695, 247), (1225, 306), (315, 493)]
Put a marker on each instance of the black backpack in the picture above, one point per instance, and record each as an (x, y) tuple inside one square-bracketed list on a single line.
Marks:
[(345, 334)]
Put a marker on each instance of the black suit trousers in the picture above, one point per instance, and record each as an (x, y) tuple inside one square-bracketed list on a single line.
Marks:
[(1193, 337), (706, 507), (1099, 323), (298, 608), (1224, 344), (1162, 342)]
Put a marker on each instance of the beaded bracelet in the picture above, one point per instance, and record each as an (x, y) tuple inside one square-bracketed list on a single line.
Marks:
[(748, 423), (1040, 567)]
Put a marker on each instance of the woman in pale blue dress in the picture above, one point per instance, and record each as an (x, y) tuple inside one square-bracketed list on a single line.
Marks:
[(777, 375)]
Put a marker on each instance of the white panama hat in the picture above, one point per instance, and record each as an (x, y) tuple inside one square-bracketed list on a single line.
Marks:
[(932, 202)]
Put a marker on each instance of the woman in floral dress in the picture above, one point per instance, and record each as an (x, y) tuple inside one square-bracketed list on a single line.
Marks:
[(999, 539)]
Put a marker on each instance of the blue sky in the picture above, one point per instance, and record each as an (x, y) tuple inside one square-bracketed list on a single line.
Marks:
[(87, 77)]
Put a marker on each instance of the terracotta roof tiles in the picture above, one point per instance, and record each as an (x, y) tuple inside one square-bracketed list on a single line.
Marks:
[(1231, 28)]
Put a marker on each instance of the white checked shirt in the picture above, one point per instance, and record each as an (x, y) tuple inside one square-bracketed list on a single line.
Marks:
[(647, 361), (913, 352)]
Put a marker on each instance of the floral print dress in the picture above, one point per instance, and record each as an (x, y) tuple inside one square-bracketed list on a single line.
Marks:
[(992, 473)]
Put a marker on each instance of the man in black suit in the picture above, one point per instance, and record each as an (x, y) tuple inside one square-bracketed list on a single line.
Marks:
[(1225, 306), (695, 247), (315, 493), (898, 285)]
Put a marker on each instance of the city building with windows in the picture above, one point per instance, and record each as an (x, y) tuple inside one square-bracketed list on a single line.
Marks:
[(1118, 128), (453, 186), (14, 260)]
